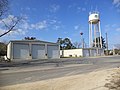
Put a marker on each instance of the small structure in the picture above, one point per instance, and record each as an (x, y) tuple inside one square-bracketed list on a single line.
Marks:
[(82, 52), (32, 49)]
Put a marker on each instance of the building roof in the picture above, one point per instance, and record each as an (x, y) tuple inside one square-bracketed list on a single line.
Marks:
[(24, 41)]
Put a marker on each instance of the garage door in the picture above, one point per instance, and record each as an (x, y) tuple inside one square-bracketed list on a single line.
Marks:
[(38, 51), (53, 51), (86, 53), (93, 52), (20, 51)]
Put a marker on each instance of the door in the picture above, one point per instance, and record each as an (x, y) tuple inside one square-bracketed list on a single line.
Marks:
[(53, 51), (20, 51), (86, 53), (38, 51)]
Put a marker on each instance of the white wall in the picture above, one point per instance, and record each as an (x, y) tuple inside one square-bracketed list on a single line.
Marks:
[(71, 52), (82, 52), (9, 50)]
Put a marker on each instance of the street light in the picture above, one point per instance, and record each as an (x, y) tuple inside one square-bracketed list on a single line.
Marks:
[(82, 40)]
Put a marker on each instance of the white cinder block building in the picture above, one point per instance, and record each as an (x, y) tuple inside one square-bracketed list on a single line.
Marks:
[(32, 49), (86, 52)]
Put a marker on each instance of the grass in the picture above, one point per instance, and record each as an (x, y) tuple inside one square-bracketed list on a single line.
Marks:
[(114, 81)]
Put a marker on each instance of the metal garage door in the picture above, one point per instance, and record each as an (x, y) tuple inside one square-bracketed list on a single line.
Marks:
[(86, 53), (53, 51), (38, 51), (20, 51), (93, 52)]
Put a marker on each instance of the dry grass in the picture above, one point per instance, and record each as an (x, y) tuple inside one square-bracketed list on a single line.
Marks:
[(114, 80)]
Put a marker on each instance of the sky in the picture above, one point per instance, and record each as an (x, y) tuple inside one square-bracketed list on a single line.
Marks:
[(52, 19)]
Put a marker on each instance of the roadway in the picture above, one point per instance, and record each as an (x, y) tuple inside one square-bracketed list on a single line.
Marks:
[(16, 73)]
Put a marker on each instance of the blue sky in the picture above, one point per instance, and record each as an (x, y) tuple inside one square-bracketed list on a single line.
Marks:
[(50, 19)]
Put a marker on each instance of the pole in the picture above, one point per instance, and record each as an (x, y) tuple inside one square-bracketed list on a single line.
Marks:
[(106, 43), (82, 41)]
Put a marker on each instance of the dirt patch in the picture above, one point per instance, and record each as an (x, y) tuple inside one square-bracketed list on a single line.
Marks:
[(90, 81), (114, 80)]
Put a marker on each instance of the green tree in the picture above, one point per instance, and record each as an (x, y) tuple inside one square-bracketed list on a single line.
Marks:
[(30, 38), (98, 44), (3, 49), (65, 43)]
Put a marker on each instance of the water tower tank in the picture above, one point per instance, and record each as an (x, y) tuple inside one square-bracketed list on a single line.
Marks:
[(94, 18)]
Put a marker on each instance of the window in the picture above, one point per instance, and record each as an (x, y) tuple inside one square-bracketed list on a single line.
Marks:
[(96, 16)]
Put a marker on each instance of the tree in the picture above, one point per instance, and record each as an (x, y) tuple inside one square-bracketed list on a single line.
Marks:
[(30, 38), (60, 41), (77, 45), (7, 24), (3, 7), (3, 49), (65, 44), (98, 44)]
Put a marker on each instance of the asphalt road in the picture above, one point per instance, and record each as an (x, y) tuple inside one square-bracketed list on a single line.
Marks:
[(16, 73)]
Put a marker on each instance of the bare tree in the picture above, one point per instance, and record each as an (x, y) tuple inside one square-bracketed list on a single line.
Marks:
[(7, 24), (3, 7), (76, 44), (117, 46), (13, 21)]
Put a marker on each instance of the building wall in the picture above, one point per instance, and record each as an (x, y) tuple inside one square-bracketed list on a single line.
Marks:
[(71, 53), (86, 52)]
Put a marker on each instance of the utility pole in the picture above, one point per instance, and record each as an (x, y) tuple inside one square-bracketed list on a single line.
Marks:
[(106, 43), (82, 40)]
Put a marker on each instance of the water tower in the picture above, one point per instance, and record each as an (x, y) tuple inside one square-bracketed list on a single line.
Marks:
[(94, 30)]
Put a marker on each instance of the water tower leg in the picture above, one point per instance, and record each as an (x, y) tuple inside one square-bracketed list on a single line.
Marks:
[(100, 36), (95, 35), (91, 35)]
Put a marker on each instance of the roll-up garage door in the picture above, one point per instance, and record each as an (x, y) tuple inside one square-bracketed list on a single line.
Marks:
[(86, 53), (53, 51), (38, 51), (93, 52), (20, 51)]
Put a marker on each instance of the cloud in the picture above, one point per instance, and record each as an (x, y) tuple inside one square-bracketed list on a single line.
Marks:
[(116, 3), (114, 25), (46, 25), (20, 28), (118, 29), (54, 8), (76, 27), (25, 26), (65, 32), (72, 5), (39, 26), (109, 27), (81, 9)]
